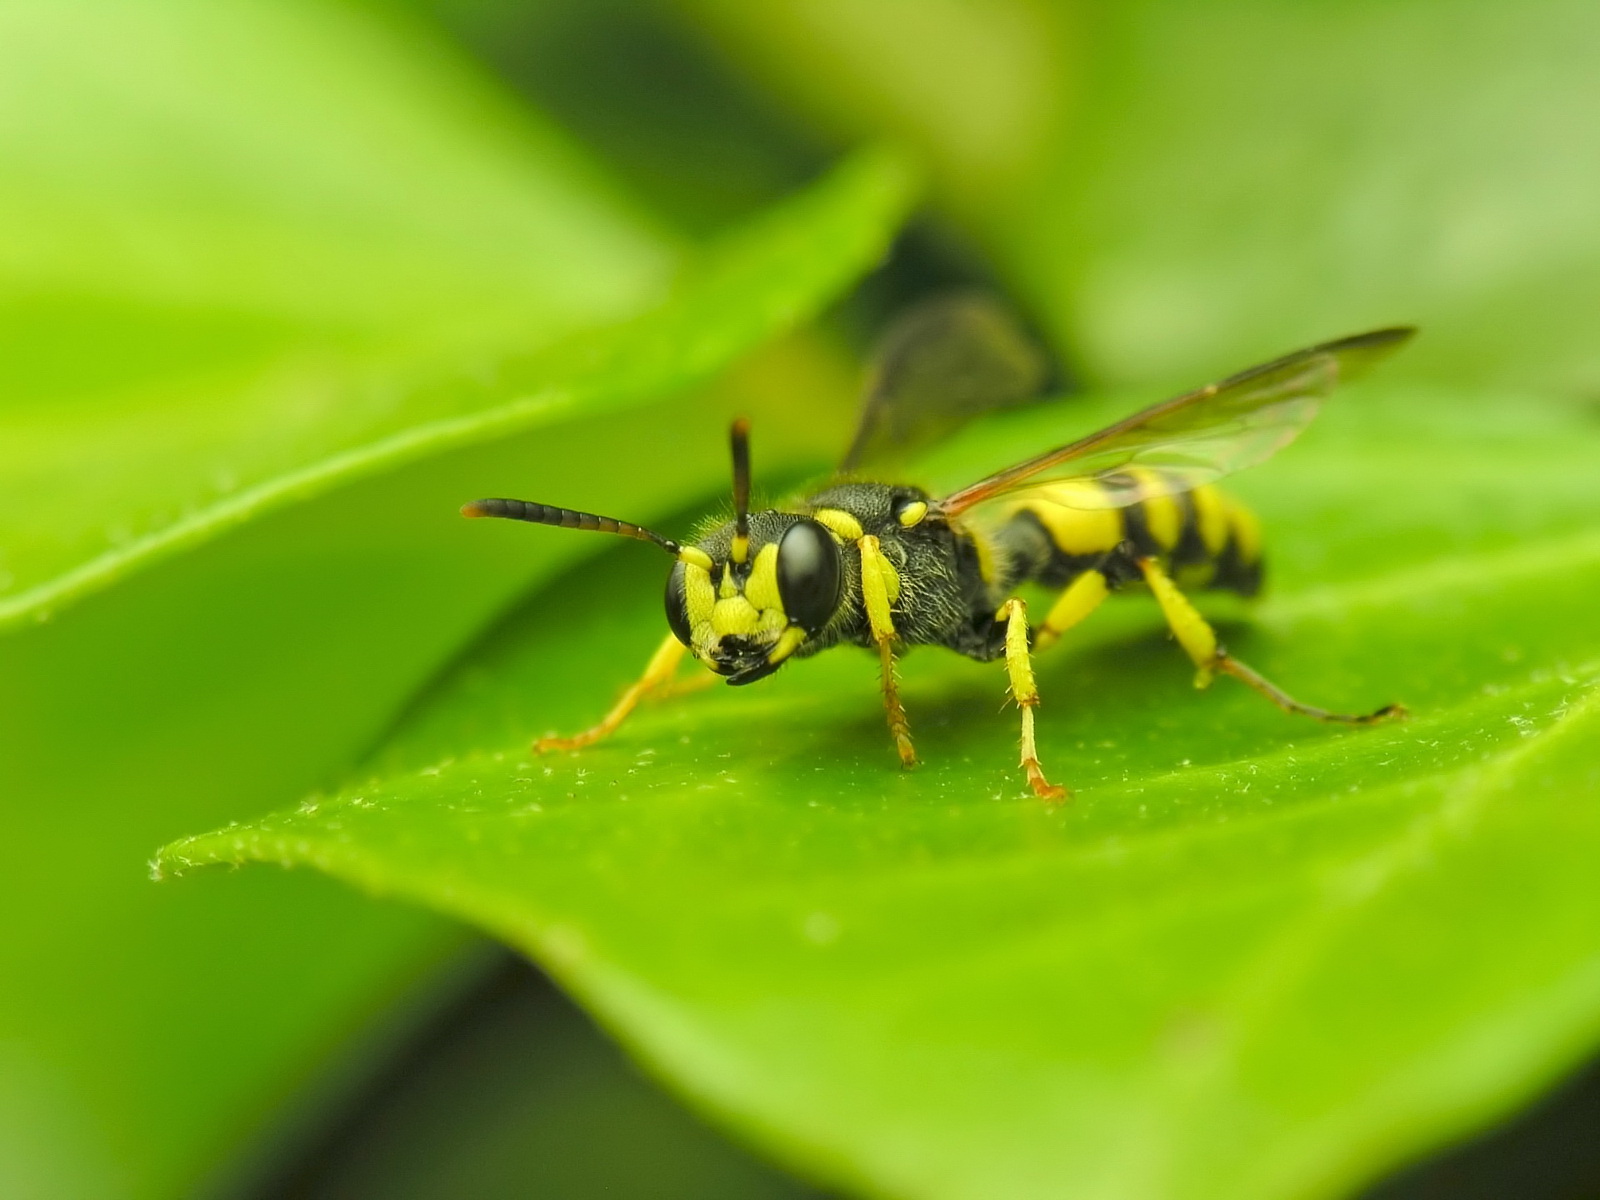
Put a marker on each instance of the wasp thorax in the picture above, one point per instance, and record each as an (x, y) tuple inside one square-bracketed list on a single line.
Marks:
[(745, 608)]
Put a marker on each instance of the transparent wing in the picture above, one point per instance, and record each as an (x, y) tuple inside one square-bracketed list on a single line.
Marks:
[(1191, 439), (939, 365)]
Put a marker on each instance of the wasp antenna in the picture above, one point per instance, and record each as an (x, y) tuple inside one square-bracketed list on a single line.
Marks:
[(566, 518), (739, 442)]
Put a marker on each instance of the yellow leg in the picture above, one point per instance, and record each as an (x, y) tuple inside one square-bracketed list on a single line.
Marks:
[(1081, 597), (1020, 668), (687, 686), (656, 676), (877, 579), (1199, 641)]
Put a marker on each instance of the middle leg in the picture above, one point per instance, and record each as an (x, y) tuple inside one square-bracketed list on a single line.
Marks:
[(876, 575), (1019, 666), (1076, 603)]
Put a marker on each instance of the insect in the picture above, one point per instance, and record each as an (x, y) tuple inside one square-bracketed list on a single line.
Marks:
[(887, 566)]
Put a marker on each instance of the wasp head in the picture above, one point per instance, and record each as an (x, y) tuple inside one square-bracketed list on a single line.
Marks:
[(744, 601)]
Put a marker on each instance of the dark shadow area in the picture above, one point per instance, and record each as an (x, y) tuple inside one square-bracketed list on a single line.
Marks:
[(1550, 1151), (642, 94), (513, 1092)]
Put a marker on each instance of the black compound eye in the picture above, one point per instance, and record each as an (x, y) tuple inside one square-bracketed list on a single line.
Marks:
[(809, 575), (678, 605)]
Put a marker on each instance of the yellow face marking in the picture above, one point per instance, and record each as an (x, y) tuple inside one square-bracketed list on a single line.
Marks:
[(913, 513), (729, 587), (841, 522), (696, 557), (1078, 530), (1211, 518), (787, 644), (734, 616), (698, 594), (762, 586), (1163, 513)]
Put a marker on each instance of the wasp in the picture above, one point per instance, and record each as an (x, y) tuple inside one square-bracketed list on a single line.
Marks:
[(887, 566)]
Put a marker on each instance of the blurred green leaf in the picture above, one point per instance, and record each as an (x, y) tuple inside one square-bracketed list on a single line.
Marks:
[(1245, 177), (262, 254), (246, 244), (1254, 958), (978, 89), (647, 97), (1201, 184), (514, 1093)]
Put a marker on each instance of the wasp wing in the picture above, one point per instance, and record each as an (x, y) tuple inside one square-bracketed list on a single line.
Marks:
[(1190, 440), (939, 365)]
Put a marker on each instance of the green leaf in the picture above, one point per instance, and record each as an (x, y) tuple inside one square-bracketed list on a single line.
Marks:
[(1253, 958), (1243, 178), (1178, 188), (258, 239)]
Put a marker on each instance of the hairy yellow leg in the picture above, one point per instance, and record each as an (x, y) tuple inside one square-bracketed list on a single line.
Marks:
[(1019, 667), (1081, 597), (660, 671), (1199, 641), (899, 726), (878, 579)]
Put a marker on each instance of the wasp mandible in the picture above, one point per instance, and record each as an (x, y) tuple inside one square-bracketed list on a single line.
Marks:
[(887, 566)]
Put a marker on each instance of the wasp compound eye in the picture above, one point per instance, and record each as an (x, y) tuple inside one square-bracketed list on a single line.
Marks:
[(678, 605), (809, 575)]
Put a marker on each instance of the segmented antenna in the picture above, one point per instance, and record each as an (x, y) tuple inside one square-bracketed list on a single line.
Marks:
[(566, 518), (739, 442)]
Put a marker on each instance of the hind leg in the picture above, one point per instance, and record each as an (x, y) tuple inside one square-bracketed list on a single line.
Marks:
[(1200, 642), (1076, 603)]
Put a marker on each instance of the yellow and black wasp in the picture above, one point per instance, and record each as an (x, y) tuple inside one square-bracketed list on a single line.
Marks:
[(888, 566)]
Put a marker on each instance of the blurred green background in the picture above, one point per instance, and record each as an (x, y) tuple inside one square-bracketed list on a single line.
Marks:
[(282, 282)]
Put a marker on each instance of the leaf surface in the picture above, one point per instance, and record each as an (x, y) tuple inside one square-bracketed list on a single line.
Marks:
[(1253, 958)]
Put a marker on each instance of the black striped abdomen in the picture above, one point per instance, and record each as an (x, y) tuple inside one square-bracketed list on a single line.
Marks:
[(1203, 537)]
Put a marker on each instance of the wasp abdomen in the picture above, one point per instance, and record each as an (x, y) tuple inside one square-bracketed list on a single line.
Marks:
[(1205, 537)]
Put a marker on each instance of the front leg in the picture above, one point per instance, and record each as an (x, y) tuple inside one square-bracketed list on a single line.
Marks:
[(656, 677), (876, 576)]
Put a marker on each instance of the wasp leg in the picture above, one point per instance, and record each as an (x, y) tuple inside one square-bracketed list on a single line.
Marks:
[(663, 663), (875, 575), (1020, 668), (687, 686), (1081, 597), (1199, 641)]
